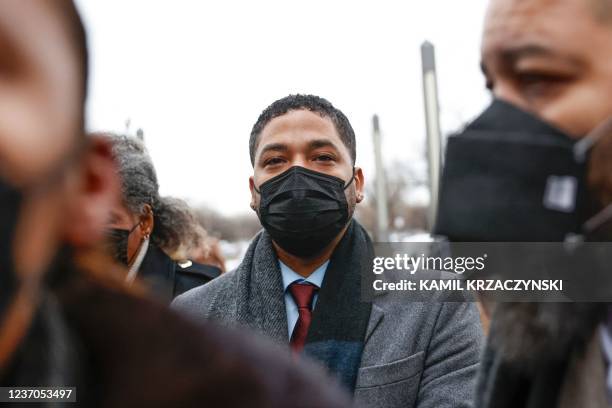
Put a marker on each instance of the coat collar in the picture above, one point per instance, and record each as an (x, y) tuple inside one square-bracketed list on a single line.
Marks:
[(158, 270), (264, 304), (376, 316)]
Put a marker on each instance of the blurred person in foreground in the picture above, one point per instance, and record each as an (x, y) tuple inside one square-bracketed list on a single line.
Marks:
[(146, 230), (548, 65), (300, 280), (64, 319)]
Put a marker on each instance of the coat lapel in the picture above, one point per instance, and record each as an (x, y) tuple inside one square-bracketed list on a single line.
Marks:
[(376, 316)]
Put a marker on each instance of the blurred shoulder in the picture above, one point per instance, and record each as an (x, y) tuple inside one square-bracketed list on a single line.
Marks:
[(148, 355), (207, 272), (189, 275), (203, 297)]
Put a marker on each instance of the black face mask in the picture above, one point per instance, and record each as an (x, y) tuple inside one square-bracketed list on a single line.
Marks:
[(10, 201), (509, 176), (303, 210), (117, 240)]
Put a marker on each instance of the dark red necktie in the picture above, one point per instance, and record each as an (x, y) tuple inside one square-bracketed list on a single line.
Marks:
[(303, 295)]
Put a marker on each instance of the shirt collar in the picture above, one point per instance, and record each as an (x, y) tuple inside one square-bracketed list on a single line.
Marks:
[(290, 276)]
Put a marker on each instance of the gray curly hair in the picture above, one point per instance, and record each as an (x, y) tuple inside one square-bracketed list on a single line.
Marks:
[(175, 224)]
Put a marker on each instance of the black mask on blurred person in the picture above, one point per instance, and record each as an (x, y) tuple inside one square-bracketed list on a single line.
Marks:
[(117, 240), (303, 210), (10, 202), (509, 176)]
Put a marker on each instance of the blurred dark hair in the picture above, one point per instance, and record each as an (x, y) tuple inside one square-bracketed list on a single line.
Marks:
[(312, 103)]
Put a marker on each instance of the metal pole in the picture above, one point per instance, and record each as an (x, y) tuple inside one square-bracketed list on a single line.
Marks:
[(382, 216), (432, 120)]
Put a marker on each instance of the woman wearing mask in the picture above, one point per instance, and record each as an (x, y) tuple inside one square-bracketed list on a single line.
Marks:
[(145, 229)]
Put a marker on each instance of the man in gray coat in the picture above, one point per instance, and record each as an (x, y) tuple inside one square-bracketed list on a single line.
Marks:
[(299, 282)]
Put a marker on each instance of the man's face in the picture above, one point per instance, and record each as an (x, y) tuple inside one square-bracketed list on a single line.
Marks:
[(550, 57), (306, 139), (40, 110)]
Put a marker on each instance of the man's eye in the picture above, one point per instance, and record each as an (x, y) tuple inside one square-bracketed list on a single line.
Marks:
[(538, 85), (324, 157), (273, 161), (540, 80), (531, 79)]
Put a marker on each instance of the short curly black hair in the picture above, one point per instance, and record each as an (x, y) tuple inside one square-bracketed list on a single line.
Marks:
[(312, 103)]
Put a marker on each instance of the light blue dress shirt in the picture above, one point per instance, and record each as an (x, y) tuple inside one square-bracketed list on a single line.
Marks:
[(289, 276)]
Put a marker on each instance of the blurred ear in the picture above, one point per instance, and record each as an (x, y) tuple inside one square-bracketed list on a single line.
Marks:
[(98, 191), (359, 184), (254, 201)]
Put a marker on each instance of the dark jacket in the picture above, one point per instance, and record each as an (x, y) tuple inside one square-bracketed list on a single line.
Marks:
[(167, 279), (125, 351), (535, 354)]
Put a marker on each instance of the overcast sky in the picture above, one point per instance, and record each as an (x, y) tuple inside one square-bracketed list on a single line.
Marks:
[(196, 74)]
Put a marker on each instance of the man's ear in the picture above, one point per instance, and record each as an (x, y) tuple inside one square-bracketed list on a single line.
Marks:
[(253, 194), (359, 184), (97, 192)]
